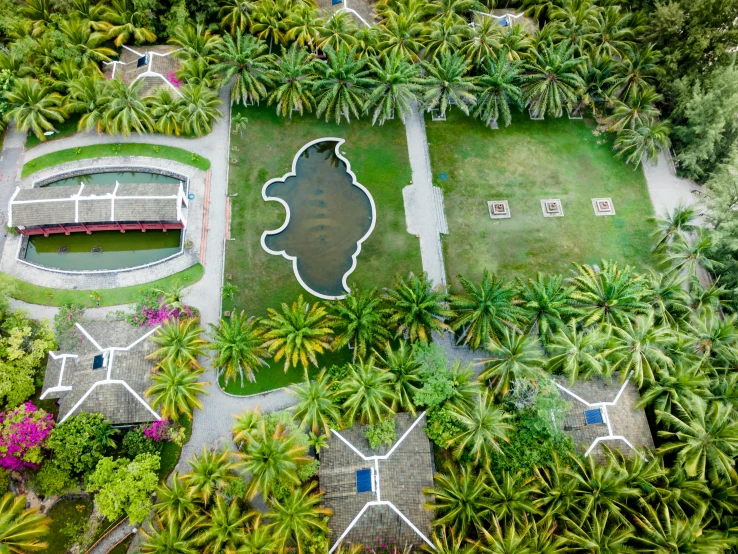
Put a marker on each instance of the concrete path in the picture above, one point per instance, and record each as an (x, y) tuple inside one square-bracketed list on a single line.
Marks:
[(11, 159), (667, 191), (112, 538)]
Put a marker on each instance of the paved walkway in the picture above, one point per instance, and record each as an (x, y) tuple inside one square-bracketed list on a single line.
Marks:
[(667, 191), (10, 166)]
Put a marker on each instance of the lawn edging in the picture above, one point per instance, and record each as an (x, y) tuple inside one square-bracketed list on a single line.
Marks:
[(115, 149), (263, 393)]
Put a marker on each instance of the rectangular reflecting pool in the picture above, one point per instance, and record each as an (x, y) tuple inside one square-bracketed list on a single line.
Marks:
[(123, 177), (102, 250)]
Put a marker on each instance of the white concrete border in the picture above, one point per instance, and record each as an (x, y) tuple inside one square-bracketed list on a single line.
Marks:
[(293, 173)]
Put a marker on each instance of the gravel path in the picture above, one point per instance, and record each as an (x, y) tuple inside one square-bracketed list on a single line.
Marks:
[(667, 191)]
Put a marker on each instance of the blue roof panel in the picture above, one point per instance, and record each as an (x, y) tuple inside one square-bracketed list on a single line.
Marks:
[(364, 480)]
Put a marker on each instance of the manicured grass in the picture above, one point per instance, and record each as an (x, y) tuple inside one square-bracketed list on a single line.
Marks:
[(33, 294), (378, 157), (125, 149), (525, 163), (66, 515), (65, 129)]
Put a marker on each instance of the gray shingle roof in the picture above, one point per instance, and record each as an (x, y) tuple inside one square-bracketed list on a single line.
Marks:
[(56, 205)]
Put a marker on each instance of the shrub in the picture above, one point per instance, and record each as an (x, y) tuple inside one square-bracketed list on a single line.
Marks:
[(151, 310), (4, 482), (52, 479), (438, 386), (80, 442), (164, 430), (65, 325), (338, 374), (307, 470), (442, 427), (383, 433), (135, 443), (23, 434)]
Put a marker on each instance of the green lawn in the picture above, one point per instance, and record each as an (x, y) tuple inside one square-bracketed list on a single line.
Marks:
[(33, 294), (65, 129), (525, 163), (125, 149)]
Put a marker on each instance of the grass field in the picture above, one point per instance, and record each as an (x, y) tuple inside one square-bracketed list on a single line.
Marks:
[(125, 149), (525, 163), (65, 129), (378, 157)]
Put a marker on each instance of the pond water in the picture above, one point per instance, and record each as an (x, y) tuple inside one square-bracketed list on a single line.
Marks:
[(102, 249), (329, 216), (68, 517), (125, 177)]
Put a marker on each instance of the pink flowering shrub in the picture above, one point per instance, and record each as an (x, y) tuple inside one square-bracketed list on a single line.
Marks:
[(151, 311), (23, 433), (163, 430), (173, 79)]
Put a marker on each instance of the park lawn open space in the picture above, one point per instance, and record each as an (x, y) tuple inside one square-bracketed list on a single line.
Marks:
[(378, 157), (525, 163)]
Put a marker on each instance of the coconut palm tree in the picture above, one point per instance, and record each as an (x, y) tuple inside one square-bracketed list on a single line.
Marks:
[(239, 346), (342, 84), (128, 23), (271, 456), (304, 28), (21, 529), (704, 438), (688, 254), (498, 88), (259, 540), (87, 95), (545, 302), (638, 111), (297, 518), (672, 225), (172, 537), (244, 58), (195, 42), (485, 311), (447, 82), (578, 353), (315, 408), (297, 334), (609, 294), (211, 472), (126, 110), (482, 425), (269, 21), (599, 74), (236, 15), (597, 533), (512, 538), (33, 107), (447, 541), (613, 34), (645, 141), (180, 342), (680, 385), (552, 81), (88, 43), (640, 66), (338, 32), (369, 393), (175, 389), (416, 308), (512, 356), (395, 90), (557, 490), (575, 22), (199, 109), (444, 35), (359, 322), (294, 79), (227, 527), (166, 111), (459, 498), (715, 339), (405, 369), (174, 501), (403, 35), (482, 41), (669, 300)]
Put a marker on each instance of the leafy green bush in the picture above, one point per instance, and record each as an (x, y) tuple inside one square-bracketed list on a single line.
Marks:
[(435, 376), (52, 479), (384, 432), (135, 443), (4, 482), (65, 325), (442, 427), (307, 470), (80, 442)]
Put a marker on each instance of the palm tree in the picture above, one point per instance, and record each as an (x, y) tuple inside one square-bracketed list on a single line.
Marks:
[(395, 90), (459, 498), (21, 529), (485, 311), (447, 83), (672, 225), (598, 534), (578, 353), (338, 31), (609, 294), (359, 322), (294, 79), (444, 36), (405, 369), (516, 42), (645, 141), (212, 471), (341, 85), (239, 346), (197, 71), (715, 339), (481, 42), (243, 57), (599, 75), (660, 531), (297, 518), (552, 80), (172, 537), (637, 112), (315, 408), (34, 107), (175, 389), (557, 490), (512, 356), (199, 109), (259, 540), (87, 95), (226, 529), (416, 308), (297, 334), (482, 425), (174, 501), (639, 348), (269, 21), (545, 303), (446, 541), (239, 122), (369, 393), (704, 438), (512, 538), (126, 111), (498, 88), (246, 424), (639, 66), (236, 15), (195, 42), (128, 23), (669, 300), (80, 37), (685, 254), (402, 35), (180, 342), (166, 111), (304, 27), (680, 385), (270, 457)]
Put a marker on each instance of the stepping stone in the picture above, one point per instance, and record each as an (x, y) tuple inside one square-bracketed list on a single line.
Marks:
[(603, 206), (498, 209), (551, 207)]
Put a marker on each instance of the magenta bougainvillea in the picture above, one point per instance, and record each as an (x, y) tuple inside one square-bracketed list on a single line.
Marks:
[(173, 79), (157, 431), (23, 433), (152, 312)]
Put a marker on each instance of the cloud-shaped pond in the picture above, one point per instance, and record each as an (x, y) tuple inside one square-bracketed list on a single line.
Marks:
[(328, 215)]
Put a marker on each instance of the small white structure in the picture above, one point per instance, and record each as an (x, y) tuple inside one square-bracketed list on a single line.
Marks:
[(551, 207), (603, 206), (498, 209)]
